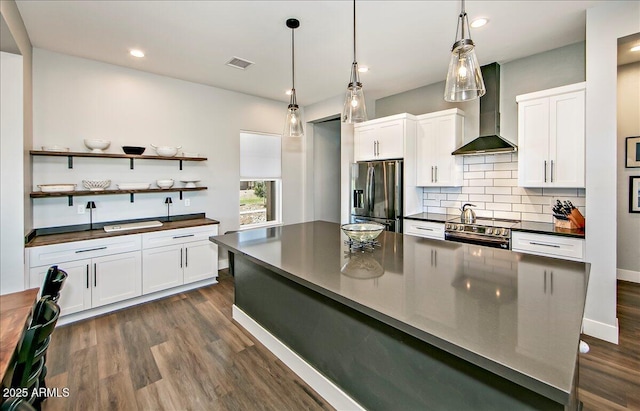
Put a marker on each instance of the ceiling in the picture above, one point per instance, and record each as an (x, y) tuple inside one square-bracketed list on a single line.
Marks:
[(405, 43)]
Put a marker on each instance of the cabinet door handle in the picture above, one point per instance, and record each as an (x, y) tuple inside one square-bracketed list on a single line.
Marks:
[(432, 180), (545, 281), (374, 148), (551, 171), (95, 275), (87, 275), (544, 245), (545, 171), (186, 257), (183, 236), (436, 174), (91, 249), (181, 258)]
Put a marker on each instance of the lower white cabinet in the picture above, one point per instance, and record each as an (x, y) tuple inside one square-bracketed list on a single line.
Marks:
[(175, 257), (427, 229), (95, 282), (568, 248)]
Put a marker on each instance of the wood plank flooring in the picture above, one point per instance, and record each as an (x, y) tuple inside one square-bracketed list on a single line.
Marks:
[(185, 353)]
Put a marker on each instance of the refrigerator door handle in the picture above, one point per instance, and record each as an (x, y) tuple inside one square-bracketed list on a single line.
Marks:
[(398, 191), (370, 188)]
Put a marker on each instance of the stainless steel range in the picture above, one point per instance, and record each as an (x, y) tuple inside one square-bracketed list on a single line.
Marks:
[(487, 232)]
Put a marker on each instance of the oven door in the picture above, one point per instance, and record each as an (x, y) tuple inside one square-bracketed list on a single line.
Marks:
[(469, 238)]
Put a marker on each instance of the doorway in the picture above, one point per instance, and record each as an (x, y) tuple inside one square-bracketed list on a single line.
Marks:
[(326, 170)]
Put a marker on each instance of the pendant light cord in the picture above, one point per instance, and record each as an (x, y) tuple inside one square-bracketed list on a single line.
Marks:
[(293, 59), (354, 31)]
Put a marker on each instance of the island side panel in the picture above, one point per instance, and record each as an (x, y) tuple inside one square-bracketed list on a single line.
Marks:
[(377, 365)]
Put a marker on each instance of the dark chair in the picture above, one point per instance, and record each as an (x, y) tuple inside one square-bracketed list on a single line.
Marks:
[(31, 354), (53, 283)]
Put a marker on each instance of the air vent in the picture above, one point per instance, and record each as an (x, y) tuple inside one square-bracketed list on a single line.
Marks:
[(237, 62)]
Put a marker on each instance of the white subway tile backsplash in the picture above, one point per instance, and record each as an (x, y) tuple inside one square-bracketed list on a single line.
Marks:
[(480, 167), (528, 208), (506, 199), (505, 182), (451, 190), (498, 174), (473, 175), (481, 197), (491, 183), (473, 159), (480, 183), (474, 190), (498, 206), (498, 190)]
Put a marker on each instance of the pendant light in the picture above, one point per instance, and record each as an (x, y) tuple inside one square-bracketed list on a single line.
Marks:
[(293, 122), (354, 110), (464, 78)]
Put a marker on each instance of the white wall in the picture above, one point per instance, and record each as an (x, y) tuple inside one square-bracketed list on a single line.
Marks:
[(628, 261), (11, 191), (605, 24), (76, 98)]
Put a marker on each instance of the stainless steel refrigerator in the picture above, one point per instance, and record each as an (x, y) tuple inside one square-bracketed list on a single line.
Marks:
[(376, 193)]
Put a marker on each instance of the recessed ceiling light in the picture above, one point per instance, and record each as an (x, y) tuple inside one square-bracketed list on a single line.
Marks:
[(479, 22), (635, 48), (137, 53), (363, 69), (288, 92)]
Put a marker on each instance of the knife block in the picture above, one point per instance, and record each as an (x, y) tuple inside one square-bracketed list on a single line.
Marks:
[(568, 224)]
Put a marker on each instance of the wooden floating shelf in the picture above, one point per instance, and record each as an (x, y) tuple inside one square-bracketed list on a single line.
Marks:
[(71, 194), (71, 154)]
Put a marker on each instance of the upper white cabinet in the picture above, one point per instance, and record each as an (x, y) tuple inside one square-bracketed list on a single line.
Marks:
[(382, 138), (551, 137), (439, 134)]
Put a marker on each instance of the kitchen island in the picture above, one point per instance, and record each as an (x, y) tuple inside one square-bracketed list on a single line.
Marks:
[(416, 323)]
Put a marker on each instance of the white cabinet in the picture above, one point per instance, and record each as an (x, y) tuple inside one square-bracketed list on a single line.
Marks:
[(568, 248), (426, 229), (175, 257), (438, 135), (551, 137), (382, 138), (92, 282)]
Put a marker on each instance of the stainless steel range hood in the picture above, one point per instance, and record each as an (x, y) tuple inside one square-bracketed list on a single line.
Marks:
[(489, 141)]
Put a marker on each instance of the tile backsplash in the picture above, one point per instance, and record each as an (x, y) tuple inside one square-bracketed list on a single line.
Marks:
[(491, 183)]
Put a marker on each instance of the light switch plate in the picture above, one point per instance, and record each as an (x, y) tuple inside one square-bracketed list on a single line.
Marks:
[(81, 208), (187, 202)]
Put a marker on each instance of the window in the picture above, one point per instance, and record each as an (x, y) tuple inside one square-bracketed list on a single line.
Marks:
[(260, 179)]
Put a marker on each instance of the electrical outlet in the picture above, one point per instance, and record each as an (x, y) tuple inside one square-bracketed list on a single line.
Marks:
[(187, 202), (80, 208)]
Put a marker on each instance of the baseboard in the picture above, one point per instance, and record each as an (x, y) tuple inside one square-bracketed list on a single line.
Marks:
[(600, 330), (94, 312), (628, 275), (323, 386)]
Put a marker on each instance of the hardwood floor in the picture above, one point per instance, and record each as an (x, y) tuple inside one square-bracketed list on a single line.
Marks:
[(180, 353), (185, 353)]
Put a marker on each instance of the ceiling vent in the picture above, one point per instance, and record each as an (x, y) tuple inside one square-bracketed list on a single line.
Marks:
[(237, 62)]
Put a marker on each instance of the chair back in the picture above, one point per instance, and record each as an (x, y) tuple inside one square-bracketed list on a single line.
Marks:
[(53, 283), (30, 358)]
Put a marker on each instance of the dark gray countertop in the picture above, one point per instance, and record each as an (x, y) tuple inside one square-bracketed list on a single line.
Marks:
[(514, 314), (526, 226)]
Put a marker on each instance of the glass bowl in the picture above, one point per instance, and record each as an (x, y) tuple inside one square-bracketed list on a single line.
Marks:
[(362, 232)]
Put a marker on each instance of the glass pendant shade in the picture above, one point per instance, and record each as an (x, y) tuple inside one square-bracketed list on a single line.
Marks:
[(354, 110), (464, 78), (293, 122)]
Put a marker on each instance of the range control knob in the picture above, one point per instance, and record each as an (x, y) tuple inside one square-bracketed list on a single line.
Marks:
[(489, 230), (460, 227), (447, 226), (505, 232)]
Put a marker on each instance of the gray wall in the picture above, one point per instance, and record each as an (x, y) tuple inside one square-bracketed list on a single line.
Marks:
[(326, 170), (554, 68), (628, 125)]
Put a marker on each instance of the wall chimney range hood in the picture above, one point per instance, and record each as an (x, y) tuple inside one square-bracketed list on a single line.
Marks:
[(490, 141)]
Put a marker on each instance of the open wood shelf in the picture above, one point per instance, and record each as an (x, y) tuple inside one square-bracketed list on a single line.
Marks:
[(71, 194), (71, 154)]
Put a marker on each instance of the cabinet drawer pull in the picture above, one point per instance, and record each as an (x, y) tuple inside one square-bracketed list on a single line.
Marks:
[(95, 276), (424, 228), (91, 249), (183, 236), (544, 245)]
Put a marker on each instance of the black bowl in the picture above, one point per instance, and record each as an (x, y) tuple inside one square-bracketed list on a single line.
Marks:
[(133, 150)]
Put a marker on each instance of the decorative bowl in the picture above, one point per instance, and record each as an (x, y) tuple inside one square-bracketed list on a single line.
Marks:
[(133, 186), (96, 145), (96, 185), (362, 232), (133, 150), (55, 148), (166, 151), (164, 183), (190, 154), (190, 183), (54, 188)]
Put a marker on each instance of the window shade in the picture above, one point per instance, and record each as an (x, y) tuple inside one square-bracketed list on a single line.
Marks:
[(260, 156)]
